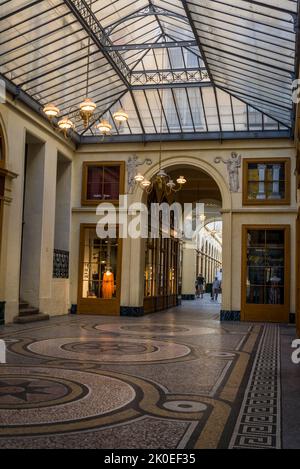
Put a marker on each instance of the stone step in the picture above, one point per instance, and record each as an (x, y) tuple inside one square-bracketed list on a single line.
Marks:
[(28, 311), (32, 318)]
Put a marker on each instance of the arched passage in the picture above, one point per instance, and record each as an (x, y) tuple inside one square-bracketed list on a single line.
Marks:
[(205, 186)]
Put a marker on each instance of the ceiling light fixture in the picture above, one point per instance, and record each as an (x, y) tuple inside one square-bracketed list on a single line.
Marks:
[(120, 116), (51, 111), (85, 114), (104, 127)]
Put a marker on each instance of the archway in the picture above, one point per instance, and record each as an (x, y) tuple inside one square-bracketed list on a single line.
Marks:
[(3, 174), (201, 189)]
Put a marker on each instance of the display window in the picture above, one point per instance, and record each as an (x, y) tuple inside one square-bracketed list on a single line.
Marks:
[(99, 271), (266, 273)]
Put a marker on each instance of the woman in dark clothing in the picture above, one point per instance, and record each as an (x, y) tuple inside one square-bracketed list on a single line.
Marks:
[(200, 286)]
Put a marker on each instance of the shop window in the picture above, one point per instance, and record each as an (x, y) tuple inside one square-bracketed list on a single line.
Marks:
[(102, 182), (266, 182), (266, 273), (99, 266)]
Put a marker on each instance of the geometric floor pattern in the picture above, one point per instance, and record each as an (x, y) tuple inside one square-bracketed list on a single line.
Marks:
[(172, 380), (259, 421)]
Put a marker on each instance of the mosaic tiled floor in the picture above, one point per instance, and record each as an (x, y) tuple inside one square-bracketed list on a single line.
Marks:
[(178, 379)]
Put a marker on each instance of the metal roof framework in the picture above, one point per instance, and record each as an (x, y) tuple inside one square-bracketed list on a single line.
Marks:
[(181, 69)]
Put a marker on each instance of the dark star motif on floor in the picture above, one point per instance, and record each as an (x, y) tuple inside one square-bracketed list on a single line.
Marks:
[(109, 348), (21, 389)]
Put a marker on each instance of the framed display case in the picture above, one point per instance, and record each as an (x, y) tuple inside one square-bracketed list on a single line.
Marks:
[(99, 282), (266, 273)]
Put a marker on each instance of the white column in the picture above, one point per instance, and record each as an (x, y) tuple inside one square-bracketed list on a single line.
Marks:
[(48, 226), (262, 175), (12, 224), (227, 287), (189, 273), (276, 182)]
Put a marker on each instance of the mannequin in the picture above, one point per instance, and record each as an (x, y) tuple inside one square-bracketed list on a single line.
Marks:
[(108, 284)]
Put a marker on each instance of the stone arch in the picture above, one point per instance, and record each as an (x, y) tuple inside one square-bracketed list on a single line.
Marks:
[(208, 168), (3, 143), (221, 182)]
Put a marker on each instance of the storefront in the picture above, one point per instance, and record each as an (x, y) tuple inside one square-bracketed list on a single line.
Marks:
[(266, 273), (99, 283)]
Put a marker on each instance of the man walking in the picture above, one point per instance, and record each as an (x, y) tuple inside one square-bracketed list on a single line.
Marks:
[(216, 288)]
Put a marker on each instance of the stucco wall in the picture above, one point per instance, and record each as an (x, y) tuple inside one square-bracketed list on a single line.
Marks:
[(200, 155), (17, 121)]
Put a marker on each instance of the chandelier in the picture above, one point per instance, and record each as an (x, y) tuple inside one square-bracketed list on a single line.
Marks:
[(85, 113), (163, 181)]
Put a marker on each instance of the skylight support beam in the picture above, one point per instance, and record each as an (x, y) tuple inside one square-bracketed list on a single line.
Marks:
[(155, 45), (92, 26), (188, 14), (150, 10), (204, 136)]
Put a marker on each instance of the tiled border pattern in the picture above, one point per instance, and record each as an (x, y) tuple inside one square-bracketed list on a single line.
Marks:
[(259, 421)]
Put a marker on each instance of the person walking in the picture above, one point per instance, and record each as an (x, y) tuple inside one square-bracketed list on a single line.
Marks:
[(216, 288), (200, 281)]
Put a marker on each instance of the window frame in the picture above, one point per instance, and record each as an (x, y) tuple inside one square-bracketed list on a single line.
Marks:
[(85, 166), (266, 202)]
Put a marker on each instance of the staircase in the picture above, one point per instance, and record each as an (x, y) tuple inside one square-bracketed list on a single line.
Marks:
[(28, 314)]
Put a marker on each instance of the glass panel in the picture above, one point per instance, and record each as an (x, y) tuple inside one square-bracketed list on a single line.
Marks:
[(225, 108), (225, 30), (211, 110), (256, 275), (266, 181), (256, 257), (255, 295), (99, 266), (275, 238), (256, 238), (274, 296), (103, 183), (265, 267)]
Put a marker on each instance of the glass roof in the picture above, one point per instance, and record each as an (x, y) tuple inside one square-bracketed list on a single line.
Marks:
[(177, 67)]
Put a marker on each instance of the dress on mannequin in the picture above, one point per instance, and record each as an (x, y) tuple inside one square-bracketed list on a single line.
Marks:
[(108, 285)]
